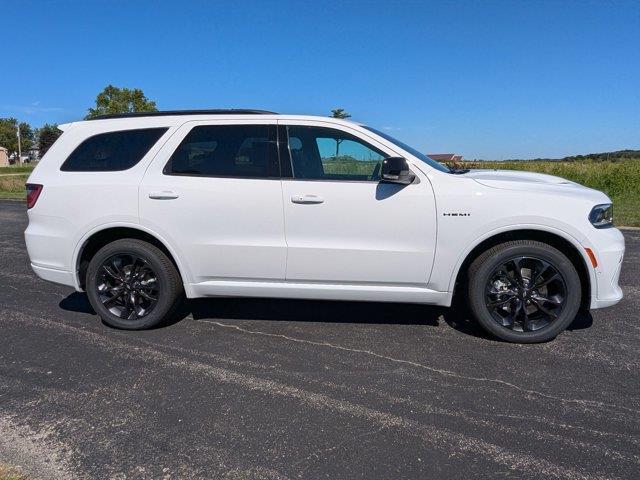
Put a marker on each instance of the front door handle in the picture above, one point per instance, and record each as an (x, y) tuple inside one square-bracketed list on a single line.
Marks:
[(163, 195), (307, 199)]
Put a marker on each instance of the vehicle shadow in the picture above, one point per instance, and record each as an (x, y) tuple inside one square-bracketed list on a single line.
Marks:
[(77, 302), (582, 321), (271, 309), (376, 313), (312, 311)]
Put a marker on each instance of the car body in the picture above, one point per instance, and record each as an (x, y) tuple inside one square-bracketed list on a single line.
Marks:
[(304, 235)]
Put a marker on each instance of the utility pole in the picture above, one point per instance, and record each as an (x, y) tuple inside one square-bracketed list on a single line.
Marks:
[(19, 146)]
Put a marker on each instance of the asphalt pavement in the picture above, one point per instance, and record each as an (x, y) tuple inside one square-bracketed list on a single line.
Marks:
[(277, 389)]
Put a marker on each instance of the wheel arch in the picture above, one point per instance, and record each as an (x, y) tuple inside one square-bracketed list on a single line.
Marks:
[(101, 237), (567, 245)]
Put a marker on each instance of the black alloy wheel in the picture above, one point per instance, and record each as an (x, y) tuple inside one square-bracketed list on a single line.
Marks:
[(133, 284), (524, 291), (525, 294), (127, 286)]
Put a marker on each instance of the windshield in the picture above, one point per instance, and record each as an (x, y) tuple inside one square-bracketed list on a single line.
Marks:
[(420, 156)]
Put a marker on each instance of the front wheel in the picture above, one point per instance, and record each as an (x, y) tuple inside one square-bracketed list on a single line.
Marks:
[(524, 291), (132, 284)]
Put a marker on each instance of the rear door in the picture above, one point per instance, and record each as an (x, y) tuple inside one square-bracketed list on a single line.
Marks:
[(214, 193), (342, 224)]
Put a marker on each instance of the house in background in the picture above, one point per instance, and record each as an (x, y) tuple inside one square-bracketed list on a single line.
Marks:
[(32, 155), (4, 157), (445, 157)]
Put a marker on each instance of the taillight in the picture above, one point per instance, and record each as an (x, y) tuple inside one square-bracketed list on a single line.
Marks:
[(33, 192)]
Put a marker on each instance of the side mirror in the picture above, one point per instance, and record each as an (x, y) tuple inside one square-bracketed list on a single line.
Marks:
[(396, 170)]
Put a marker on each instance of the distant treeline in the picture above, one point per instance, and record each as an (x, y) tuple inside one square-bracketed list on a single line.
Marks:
[(605, 156), (620, 154)]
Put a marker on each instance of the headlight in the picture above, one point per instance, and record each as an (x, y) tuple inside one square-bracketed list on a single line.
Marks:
[(601, 216)]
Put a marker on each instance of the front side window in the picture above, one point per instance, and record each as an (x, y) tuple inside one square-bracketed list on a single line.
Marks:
[(112, 151), (419, 155), (245, 151), (327, 154)]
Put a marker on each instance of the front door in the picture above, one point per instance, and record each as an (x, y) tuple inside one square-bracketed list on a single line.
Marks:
[(342, 224), (214, 193)]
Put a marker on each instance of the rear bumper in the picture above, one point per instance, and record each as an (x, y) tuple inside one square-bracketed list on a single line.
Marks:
[(56, 276), (49, 245), (49, 241)]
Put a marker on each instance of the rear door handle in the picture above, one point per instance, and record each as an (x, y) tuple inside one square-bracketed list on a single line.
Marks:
[(307, 199), (163, 195)]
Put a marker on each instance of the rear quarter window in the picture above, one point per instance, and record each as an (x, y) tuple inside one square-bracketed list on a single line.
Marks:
[(112, 151)]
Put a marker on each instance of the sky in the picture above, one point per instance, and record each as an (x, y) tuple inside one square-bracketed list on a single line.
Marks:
[(487, 79)]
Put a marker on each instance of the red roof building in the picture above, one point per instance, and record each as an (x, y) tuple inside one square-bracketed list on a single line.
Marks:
[(445, 157)]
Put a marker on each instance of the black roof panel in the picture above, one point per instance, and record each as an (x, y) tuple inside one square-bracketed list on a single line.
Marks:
[(218, 111)]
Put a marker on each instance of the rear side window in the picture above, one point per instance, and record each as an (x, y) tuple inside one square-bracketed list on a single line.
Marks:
[(112, 151), (240, 151)]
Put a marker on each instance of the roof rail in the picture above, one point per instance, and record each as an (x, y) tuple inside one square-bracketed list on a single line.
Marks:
[(217, 111)]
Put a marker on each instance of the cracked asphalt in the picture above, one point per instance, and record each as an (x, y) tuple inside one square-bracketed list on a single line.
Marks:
[(244, 389)]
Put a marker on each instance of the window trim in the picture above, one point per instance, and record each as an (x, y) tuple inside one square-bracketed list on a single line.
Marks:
[(106, 132), (272, 136), (286, 126), (283, 151)]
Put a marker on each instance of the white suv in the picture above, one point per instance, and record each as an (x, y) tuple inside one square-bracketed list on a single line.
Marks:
[(140, 209)]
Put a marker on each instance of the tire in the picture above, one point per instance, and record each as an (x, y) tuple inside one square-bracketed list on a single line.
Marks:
[(123, 279), (519, 308)]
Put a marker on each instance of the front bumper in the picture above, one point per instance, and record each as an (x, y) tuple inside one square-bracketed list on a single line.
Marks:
[(608, 246)]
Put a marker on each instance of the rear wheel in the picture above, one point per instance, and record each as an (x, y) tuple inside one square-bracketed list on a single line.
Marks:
[(132, 284), (524, 291)]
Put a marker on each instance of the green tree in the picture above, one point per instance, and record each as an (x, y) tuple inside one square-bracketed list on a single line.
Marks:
[(9, 135), (47, 134), (339, 113), (121, 100)]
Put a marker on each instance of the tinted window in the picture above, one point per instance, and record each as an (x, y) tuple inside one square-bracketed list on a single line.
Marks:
[(227, 151), (112, 151), (327, 154)]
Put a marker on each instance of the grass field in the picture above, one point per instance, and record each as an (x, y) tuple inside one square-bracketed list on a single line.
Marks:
[(12, 180), (620, 179), (16, 169), (13, 186)]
